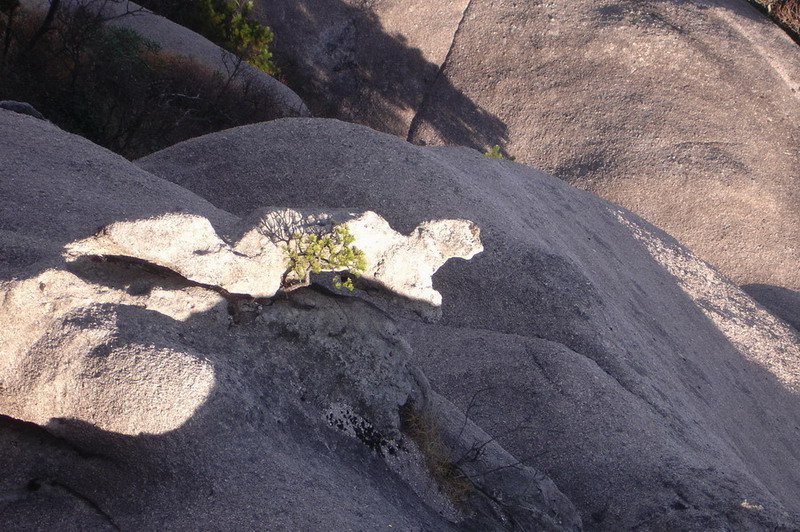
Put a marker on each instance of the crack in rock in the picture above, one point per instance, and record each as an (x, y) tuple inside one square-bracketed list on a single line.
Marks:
[(414, 124), (36, 485)]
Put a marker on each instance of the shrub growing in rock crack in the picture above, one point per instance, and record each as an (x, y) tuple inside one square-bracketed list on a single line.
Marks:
[(333, 251), (496, 152)]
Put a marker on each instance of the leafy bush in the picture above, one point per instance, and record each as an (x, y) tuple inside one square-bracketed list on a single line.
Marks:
[(496, 152), (334, 251), (227, 23), (114, 87)]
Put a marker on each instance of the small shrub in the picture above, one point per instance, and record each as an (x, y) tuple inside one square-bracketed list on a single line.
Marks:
[(496, 152), (334, 251), (784, 12), (227, 23), (788, 13)]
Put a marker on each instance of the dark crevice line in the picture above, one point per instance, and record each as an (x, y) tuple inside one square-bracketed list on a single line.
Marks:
[(85, 500), (412, 128)]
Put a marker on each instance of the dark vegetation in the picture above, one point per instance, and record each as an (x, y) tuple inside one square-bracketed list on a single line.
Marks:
[(224, 22), (784, 12), (424, 431), (114, 87)]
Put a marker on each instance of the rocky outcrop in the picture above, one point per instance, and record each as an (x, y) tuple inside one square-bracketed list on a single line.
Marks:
[(256, 264), (189, 246), (144, 386), (686, 113), (590, 344)]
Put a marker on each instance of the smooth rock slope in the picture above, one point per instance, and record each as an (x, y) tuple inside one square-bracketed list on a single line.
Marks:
[(591, 344)]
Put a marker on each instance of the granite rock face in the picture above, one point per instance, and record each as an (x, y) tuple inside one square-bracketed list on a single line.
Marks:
[(257, 263), (138, 392), (687, 113), (589, 343)]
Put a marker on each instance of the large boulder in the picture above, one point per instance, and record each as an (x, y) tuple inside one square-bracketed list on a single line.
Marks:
[(654, 391), (687, 113), (137, 392), (258, 262)]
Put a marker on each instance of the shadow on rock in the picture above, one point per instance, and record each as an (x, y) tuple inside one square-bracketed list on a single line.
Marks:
[(344, 65), (782, 302)]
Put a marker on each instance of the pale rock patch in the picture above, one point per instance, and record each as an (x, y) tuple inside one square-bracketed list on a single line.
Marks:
[(257, 263), (70, 360)]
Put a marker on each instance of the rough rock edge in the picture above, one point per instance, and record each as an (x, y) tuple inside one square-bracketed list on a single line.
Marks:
[(256, 264), (21, 108)]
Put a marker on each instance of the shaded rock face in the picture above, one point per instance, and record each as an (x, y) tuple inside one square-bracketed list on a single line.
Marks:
[(374, 62), (588, 342), (22, 108), (782, 302), (134, 396), (686, 113)]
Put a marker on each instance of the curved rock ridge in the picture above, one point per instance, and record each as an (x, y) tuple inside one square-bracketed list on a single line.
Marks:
[(592, 345), (758, 335), (134, 398), (257, 263)]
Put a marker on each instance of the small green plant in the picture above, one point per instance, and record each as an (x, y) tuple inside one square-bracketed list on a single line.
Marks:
[(496, 152), (334, 251), (228, 23)]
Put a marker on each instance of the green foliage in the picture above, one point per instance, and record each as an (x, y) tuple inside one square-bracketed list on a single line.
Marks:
[(116, 88), (228, 23), (496, 152), (334, 251)]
